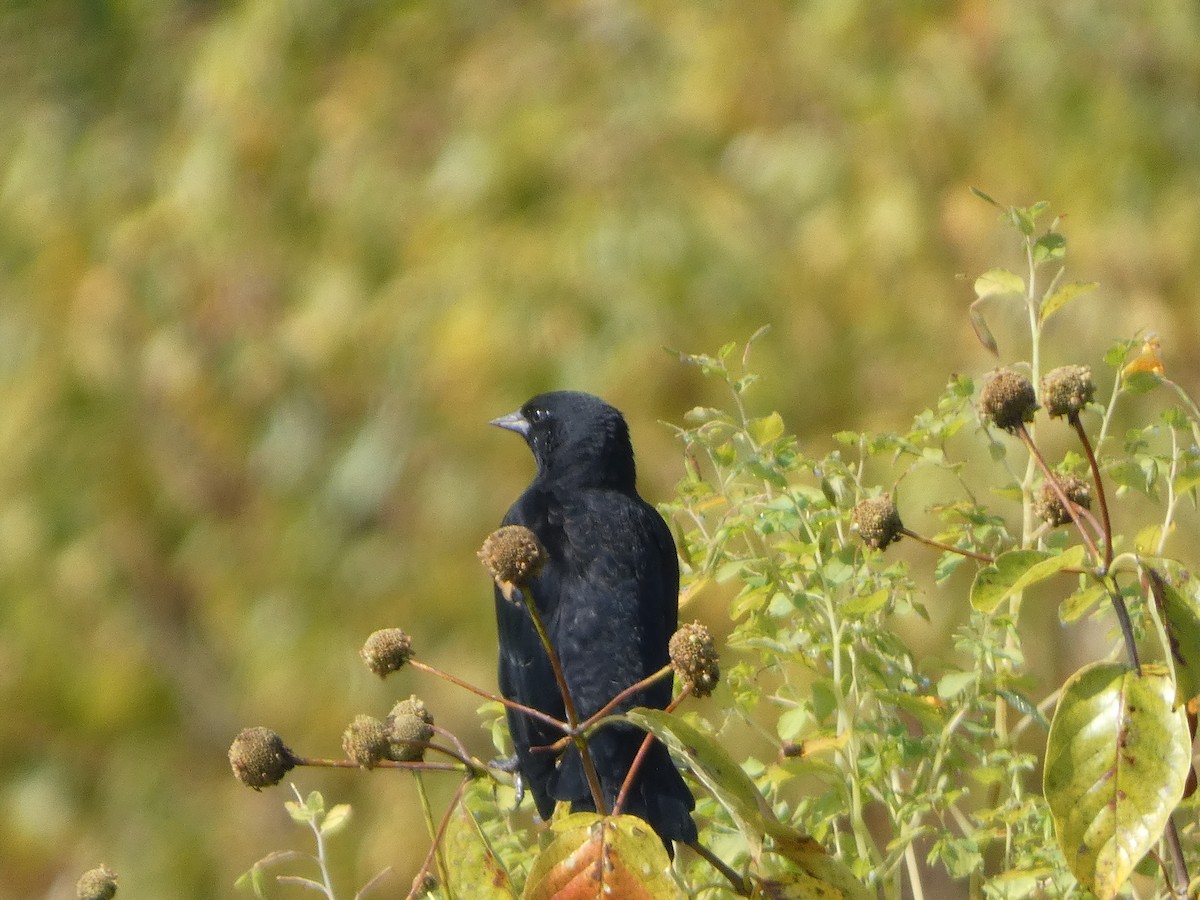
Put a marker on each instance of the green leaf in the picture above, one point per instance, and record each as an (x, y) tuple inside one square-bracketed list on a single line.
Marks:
[(999, 283), (985, 197), (1078, 603), (1016, 570), (478, 871), (863, 605), (1140, 382), (954, 683), (982, 332), (1050, 245), (1182, 622), (1116, 760), (1023, 705), (336, 819), (1064, 295), (767, 429), (1025, 218), (714, 768)]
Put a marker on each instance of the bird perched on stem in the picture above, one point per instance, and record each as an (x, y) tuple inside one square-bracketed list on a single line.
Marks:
[(608, 594)]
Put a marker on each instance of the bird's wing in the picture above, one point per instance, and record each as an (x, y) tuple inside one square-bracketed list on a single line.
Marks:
[(524, 670)]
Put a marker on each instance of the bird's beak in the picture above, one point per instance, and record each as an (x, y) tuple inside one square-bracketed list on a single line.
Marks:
[(514, 421)]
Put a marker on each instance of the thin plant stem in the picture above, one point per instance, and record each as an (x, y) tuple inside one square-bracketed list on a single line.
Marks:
[(1126, 624), (488, 695), (434, 835), (1023, 433), (315, 762), (741, 885), (418, 883), (327, 882), (585, 757), (1178, 863), (938, 545), (636, 765), (1101, 494)]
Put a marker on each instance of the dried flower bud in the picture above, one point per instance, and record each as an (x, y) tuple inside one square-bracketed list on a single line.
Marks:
[(1007, 399), (409, 721), (259, 758), (99, 883), (694, 658), (1067, 390), (1051, 510), (365, 741), (386, 650), (877, 521), (513, 557)]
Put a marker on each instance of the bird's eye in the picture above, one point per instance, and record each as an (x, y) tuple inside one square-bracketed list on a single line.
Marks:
[(538, 415)]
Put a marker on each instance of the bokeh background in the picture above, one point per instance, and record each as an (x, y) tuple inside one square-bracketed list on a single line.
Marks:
[(267, 269)]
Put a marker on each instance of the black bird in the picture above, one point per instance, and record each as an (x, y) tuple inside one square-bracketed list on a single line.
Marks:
[(609, 596)]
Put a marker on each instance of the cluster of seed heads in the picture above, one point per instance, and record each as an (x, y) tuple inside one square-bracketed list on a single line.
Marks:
[(259, 758), (99, 883), (1007, 399), (368, 741), (1067, 390), (694, 658), (513, 557), (1049, 507), (386, 650), (877, 521)]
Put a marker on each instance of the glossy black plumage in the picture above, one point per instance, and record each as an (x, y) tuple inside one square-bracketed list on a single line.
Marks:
[(608, 595)]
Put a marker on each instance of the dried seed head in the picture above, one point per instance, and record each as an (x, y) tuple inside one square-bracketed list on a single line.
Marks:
[(366, 741), (386, 650), (1007, 399), (99, 883), (1051, 510), (409, 721), (694, 658), (877, 521), (1067, 390), (513, 557), (259, 758)]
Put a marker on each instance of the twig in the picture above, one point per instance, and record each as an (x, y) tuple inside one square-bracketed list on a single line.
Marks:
[(1101, 497), (938, 545), (636, 765), (589, 767), (488, 695), (418, 882), (1023, 433), (415, 766), (740, 883)]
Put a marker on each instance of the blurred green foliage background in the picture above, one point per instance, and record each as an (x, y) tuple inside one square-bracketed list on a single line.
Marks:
[(268, 268)]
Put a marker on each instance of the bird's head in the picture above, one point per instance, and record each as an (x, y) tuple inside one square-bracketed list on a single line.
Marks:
[(576, 437)]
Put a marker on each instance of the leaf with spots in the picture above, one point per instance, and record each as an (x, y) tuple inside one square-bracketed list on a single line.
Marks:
[(1116, 760), (600, 857)]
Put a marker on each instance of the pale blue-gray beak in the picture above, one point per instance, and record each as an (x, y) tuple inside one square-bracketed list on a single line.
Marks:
[(514, 421)]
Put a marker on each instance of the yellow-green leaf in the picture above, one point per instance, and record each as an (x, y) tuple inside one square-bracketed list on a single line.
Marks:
[(1078, 603), (1016, 570), (475, 870), (767, 429), (732, 787), (1116, 760), (1181, 619), (999, 283), (1064, 295)]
